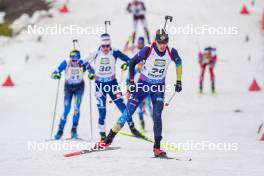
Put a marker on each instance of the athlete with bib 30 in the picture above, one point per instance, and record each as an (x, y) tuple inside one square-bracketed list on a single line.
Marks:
[(104, 63), (156, 59)]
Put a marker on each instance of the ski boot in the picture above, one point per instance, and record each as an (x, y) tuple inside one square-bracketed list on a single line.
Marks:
[(58, 135), (213, 89), (74, 134), (135, 132), (159, 153), (103, 136), (103, 144), (200, 89)]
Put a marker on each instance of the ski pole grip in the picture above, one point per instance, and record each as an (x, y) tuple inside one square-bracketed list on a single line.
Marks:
[(107, 22)]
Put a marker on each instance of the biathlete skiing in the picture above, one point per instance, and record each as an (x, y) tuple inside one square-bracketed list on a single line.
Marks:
[(156, 59)]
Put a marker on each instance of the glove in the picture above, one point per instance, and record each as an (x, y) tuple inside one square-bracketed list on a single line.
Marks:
[(91, 76), (56, 75), (124, 66), (178, 86), (131, 87)]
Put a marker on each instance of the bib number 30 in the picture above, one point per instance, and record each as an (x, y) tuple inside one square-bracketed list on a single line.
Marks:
[(104, 68)]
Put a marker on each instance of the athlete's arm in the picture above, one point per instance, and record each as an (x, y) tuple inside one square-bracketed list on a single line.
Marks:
[(120, 55), (214, 59), (62, 66), (89, 61), (140, 56), (178, 62), (88, 66), (143, 6)]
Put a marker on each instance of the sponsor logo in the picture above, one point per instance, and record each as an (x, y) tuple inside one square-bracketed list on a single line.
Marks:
[(105, 60), (160, 63)]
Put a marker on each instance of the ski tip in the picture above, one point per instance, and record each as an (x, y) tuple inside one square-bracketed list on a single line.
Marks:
[(72, 154)]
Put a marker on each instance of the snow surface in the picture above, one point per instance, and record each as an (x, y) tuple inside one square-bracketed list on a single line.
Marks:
[(26, 110)]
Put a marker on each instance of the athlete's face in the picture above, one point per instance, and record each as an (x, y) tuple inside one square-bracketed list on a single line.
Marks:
[(140, 45), (207, 55), (161, 46), (74, 63), (105, 49)]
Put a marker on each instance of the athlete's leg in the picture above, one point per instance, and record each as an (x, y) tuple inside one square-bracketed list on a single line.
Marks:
[(145, 26), (116, 95), (68, 94), (212, 77), (203, 67), (158, 103), (141, 114), (77, 104), (101, 106), (141, 109), (149, 106)]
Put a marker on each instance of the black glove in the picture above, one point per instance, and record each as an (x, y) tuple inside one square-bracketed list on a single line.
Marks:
[(178, 86), (131, 87)]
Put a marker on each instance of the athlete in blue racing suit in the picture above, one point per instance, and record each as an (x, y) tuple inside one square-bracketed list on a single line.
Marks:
[(74, 87), (104, 62)]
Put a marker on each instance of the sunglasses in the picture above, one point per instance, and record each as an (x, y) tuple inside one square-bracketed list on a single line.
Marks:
[(105, 46)]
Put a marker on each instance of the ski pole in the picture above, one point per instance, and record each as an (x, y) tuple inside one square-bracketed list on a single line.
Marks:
[(260, 128), (74, 41), (91, 117), (171, 98), (107, 22), (122, 76), (167, 17), (55, 108)]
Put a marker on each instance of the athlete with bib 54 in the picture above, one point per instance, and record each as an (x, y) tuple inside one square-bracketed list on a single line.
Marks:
[(156, 59)]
